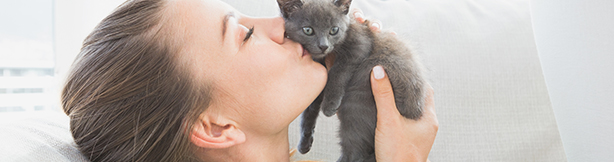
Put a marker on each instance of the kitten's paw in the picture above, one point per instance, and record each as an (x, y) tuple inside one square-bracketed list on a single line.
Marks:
[(411, 110), (329, 108), (329, 113), (305, 145)]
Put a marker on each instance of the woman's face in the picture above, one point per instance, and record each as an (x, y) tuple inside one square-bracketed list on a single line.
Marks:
[(261, 80)]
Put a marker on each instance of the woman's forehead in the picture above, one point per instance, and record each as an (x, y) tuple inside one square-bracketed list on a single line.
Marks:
[(200, 24), (200, 13), (200, 21)]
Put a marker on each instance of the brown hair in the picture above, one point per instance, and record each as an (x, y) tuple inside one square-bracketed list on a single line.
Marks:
[(127, 96)]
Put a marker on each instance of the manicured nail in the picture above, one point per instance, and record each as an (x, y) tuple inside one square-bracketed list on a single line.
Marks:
[(375, 25), (378, 72), (357, 15)]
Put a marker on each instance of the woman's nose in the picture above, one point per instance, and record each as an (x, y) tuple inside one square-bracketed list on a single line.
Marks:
[(273, 27)]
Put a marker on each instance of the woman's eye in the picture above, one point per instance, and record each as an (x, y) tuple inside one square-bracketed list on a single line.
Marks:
[(248, 34), (308, 30), (334, 30)]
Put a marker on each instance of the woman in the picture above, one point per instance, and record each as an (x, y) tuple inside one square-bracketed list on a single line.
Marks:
[(195, 80)]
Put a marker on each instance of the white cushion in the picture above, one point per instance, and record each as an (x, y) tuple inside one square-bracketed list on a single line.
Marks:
[(39, 136)]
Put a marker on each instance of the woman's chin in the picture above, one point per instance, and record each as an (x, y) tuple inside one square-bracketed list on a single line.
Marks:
[(320, 77)]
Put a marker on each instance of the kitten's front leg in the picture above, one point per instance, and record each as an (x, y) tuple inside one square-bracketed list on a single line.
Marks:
[(308, 124), (338, 78)]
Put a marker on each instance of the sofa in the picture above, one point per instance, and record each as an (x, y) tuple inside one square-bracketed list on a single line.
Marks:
[(491, 97)]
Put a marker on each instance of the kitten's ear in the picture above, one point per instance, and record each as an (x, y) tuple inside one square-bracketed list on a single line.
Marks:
[(344, 5), (287, 7)]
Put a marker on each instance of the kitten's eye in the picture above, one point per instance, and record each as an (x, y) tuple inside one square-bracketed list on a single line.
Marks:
[(308, 30), (334, 30)]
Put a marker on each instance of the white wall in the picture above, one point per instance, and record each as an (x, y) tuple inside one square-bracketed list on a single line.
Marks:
[(575, 40)]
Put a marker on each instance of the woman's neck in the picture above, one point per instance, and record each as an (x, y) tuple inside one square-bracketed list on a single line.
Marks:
[(267, 148)]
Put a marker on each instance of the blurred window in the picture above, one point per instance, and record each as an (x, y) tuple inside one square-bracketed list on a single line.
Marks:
[(27, 56)]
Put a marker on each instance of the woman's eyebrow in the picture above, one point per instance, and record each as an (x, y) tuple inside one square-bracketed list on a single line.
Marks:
[(225, 22)]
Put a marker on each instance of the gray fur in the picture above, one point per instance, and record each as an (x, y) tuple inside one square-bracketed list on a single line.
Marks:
[(348, 89)]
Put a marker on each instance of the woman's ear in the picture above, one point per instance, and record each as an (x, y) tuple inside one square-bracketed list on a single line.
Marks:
[(216, 133)]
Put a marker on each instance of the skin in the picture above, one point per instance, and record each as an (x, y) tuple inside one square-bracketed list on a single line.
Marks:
[(261, 85), (396, 137)]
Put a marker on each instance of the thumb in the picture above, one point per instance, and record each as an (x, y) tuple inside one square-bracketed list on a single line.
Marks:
[(383, 94)]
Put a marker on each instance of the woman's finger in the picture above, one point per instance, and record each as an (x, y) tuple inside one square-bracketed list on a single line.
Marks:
[(356, 14), (383, 94), (430, 101), (329, 60), (429, 105), (375, 25)]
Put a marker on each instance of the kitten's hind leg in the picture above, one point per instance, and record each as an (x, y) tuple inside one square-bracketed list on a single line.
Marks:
[(308, 124), (357, 117), (409, 91)]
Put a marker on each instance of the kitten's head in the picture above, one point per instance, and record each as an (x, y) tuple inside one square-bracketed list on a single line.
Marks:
[(318, 25)]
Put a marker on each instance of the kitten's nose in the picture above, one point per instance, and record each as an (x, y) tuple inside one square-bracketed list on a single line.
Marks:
[(323, 48)]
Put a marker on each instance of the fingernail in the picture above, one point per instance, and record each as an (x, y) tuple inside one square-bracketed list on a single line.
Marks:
[(375, 25), (357, 15), (378, 72)]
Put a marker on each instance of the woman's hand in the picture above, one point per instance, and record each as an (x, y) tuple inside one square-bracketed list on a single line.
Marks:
[(396, 137)]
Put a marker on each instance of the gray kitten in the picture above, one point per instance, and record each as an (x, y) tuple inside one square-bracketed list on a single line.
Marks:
[(323, 27)]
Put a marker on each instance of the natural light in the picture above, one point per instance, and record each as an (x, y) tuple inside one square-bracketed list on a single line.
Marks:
[(38, 42), (26, 56)]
